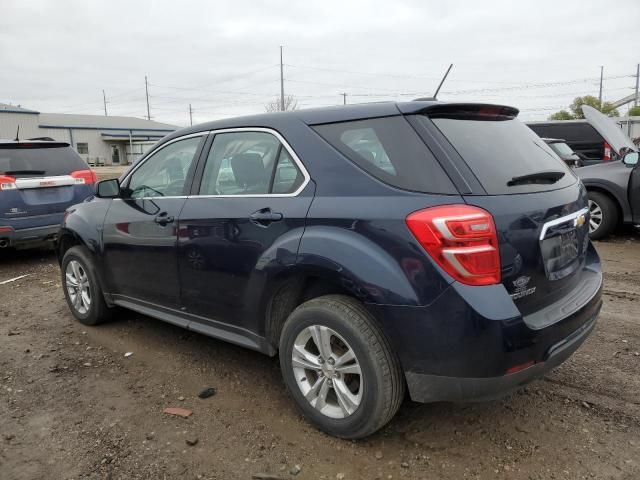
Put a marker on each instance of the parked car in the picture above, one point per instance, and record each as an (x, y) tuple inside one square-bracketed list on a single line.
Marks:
[(583, 139), (39, 179), (564, 151), (613, 188), (437, 247)]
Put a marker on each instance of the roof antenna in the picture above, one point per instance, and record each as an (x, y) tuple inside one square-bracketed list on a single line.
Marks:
[(435, 95), (17, 134)]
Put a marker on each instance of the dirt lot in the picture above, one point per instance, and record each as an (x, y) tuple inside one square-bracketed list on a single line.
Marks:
[(73, 406)]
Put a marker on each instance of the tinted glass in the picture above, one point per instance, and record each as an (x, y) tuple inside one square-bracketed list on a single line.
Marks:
[(240, 163), (390, 150), (33, 162), (164, 174), (288, 177), (497, 151), (561, 149)]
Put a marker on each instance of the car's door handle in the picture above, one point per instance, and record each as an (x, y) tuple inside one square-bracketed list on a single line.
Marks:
[(163, 219), (265, 216)]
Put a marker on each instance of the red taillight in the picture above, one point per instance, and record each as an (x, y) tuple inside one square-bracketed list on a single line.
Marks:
[(7, 182), (462, 239), (520, 367), (607, 152), (87, 177)]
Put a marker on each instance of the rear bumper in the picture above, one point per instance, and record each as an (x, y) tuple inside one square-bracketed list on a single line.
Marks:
[(432, 388), (464, 345), (30, 235)]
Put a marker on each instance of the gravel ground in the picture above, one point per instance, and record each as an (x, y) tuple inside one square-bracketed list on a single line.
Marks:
[(73, 406)]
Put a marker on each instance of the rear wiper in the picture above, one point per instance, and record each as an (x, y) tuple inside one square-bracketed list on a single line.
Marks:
[(24, 172), (546, 178)]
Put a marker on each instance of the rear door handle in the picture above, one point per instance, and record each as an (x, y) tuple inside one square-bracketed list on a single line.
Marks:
[(163, 219), (265, 216)]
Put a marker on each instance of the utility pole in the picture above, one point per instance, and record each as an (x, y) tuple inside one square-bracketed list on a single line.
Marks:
[(190, 115), (281, 82), (146, 89), (344, 98), (635, 102), (104, 98), (600, 94)]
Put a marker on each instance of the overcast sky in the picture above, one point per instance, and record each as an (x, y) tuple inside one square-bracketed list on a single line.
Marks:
[(223, 56)]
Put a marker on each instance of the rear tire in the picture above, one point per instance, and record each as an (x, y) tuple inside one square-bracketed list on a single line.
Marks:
[(81, 287), (603, 215), (348, 399)]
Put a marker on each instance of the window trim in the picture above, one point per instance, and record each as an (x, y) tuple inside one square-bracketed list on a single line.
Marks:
[(204, 158), (282, 141)]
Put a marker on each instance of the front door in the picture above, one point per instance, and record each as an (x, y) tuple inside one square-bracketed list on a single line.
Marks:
[(634, 193), (140, 229), (243, 226)]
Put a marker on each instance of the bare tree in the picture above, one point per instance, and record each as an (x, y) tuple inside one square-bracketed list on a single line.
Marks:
[(290, 103)]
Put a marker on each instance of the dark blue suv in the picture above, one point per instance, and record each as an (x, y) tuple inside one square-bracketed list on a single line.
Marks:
[(38, 181), (440, 248)]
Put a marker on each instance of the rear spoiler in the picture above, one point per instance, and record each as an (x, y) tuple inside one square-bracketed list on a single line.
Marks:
[(461, 111), (30, 145)]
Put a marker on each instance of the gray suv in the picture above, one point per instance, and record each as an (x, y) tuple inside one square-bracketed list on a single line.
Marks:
[(614, 187)]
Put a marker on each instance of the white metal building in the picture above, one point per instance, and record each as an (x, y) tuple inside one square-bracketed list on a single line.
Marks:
[(98, 139)]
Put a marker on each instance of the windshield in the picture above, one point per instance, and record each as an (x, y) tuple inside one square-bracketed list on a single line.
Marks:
[(45, 162), (501, 150), (562, 149)]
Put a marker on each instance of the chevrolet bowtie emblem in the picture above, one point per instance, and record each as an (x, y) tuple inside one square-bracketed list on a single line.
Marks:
[(580, 221)]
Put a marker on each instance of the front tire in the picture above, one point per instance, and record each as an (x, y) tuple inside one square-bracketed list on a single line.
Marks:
[(339, 367), (81, 287), (603, 215)]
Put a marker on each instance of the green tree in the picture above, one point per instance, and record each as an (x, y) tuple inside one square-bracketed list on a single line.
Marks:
[(576, 108), (634, 111), (561, 115), (607, 108)]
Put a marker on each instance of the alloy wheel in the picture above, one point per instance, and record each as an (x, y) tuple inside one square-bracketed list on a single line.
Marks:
[(327, 371), (78, 287), (595, 216)]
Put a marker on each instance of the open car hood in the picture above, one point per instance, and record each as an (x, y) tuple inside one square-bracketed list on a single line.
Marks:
[(606, 127)]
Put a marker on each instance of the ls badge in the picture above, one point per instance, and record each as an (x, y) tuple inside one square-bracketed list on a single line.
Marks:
[(521, 290)]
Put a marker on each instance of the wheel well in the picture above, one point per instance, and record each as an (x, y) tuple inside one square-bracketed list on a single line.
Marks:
[(292, 293), (65, 242), (613, 199)]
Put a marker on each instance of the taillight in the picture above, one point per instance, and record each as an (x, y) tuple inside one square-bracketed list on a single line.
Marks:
[(462, 239), (87, 177), (607, 152), (7, 182)]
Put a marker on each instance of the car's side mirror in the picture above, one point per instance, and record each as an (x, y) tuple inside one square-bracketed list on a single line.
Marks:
[(631, 159), (108, 188)]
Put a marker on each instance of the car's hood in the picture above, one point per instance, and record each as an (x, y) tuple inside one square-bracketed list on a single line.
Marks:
[(606, 127)]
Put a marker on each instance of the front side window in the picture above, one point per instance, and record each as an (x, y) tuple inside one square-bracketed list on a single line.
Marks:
[(249, 163), (164, 174)]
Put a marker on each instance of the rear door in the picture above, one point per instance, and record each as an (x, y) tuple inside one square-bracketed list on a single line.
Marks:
[(538, 205), (38, 181), (140, 229), (242, 226)]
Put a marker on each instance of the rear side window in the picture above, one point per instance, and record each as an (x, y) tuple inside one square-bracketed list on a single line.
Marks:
[(501, 150), (40, 161), (390, 150)]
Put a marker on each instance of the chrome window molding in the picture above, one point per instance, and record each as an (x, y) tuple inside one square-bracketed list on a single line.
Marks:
[(275, 133)]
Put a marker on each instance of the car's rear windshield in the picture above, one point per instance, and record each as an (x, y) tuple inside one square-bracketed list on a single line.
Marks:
[(391, 151), (19, 161), (504, 154)]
